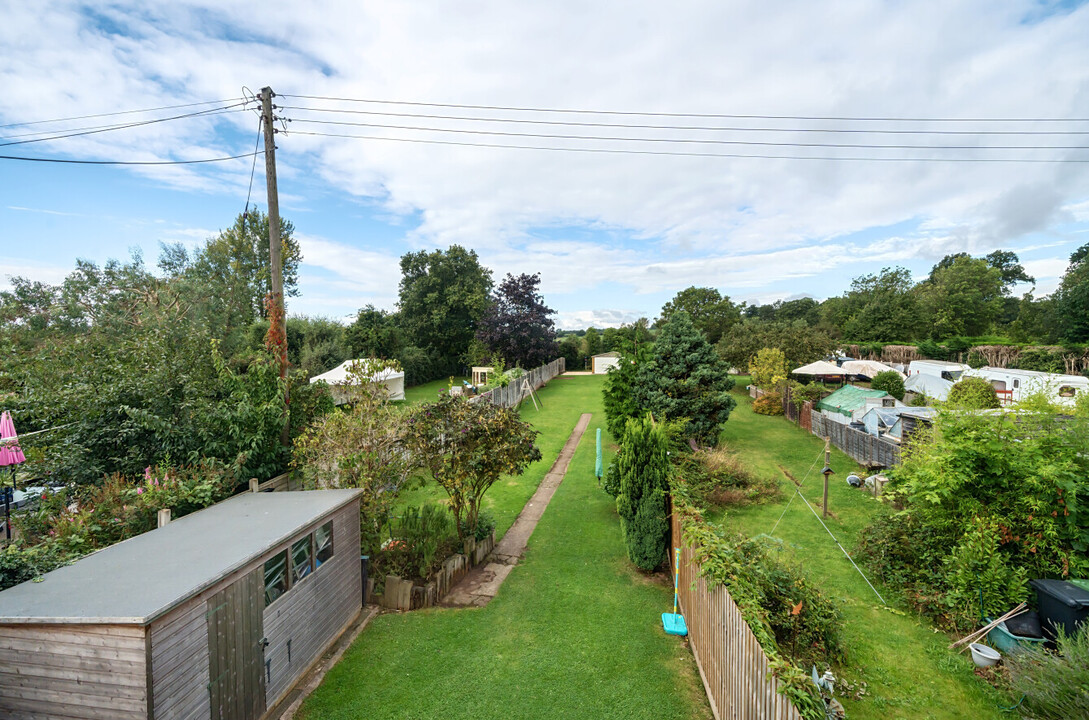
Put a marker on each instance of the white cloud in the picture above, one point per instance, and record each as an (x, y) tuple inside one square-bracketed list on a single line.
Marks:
[(1046, 268), (741, 225)]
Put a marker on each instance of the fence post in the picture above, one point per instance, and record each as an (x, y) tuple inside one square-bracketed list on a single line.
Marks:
[(254, 484), (164, 516)]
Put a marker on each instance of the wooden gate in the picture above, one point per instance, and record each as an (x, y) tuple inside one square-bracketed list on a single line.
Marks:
[(236, 654)]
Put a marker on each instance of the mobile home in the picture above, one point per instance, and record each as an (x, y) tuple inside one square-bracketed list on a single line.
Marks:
[(950, 371), (1015, 385), (215, 615)]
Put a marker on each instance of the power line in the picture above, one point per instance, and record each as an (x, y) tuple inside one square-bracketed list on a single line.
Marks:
[(130, 162), (716, 128), (119, 112), (125, 126), (678, 114), (692, 141), (109, 126), (621, 151)]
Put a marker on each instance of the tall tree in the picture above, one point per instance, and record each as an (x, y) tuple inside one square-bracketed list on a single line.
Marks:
[(1072, 298), (800, 343), (442, 297), (962, 297), (686, 380), (233, 269), (374, 334), (882, 307), (592, 340), (517, 326), (712, 313)]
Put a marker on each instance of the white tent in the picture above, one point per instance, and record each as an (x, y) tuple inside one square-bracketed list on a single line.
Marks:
[(869, 368), (819, 368), (930, 385), (337, 378)]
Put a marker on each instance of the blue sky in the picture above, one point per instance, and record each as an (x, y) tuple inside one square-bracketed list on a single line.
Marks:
[(614, 236)]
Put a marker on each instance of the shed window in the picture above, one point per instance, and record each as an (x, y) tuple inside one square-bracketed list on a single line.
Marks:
[(300, 559), (275, 577), (323, 543)]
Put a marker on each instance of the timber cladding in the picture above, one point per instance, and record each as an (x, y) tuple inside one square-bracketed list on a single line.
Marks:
[(219, 651)]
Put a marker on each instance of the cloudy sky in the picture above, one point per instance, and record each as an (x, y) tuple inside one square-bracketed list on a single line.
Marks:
[(684, 187)]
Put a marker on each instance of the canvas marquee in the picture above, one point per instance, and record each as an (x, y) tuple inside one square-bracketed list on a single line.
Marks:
[(338, 379)]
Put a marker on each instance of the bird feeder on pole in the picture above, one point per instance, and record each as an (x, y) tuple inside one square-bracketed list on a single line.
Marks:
[(827, 471)]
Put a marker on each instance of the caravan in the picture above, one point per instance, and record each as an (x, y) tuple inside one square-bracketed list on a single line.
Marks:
[(1015, 385), (950, 371)]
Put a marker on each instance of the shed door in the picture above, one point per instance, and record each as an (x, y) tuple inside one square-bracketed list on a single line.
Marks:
[(236, 650)]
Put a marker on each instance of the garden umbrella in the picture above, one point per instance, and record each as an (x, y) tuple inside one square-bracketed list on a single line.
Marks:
[(10, 454)]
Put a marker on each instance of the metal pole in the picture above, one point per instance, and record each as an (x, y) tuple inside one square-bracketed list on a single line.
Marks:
[(827, 464)]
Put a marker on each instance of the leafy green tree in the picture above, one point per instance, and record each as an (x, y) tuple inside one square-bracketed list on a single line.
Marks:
[(962, 297), (643, 465), (972, 393), (233, 269), (570, 349), (1010, 269), (442, 297), (889, 381), (362, 447), (685, 380), (799, 343), (517, 326), (619, 394), (882, 307), (592, 341), (466, 447), (712, 313), (373, 334), (768, 368), (1072, 298)]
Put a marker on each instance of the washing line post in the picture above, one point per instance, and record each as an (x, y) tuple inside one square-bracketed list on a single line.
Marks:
[(827, 470)]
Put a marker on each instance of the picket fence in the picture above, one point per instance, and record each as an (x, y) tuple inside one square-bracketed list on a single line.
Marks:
[(515, 392), (735, 671)]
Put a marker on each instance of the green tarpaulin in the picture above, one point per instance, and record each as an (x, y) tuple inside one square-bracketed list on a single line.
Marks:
[(848, 399)]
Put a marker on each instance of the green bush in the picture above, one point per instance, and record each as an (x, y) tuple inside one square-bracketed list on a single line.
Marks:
[(611, 484), (644, 469), (976, 359), (18, 564), (768, 404), (972, 393), (889, 381), (428, 537), (920, 400), (976, 569), (718, 477), (485, 524), (811, 392), (1041, 359), (1054, 683)]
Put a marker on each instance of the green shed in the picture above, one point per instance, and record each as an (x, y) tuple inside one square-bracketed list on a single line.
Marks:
[(848, 400)]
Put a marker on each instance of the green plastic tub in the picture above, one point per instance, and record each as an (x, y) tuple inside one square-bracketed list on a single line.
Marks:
[(1005, 641)]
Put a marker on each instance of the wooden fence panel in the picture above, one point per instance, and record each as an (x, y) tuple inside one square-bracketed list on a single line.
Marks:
[(733, 666), (514, 393), (861, 446)]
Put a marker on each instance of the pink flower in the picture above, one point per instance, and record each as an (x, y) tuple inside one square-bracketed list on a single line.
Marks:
[(139, 491), (147, 472)]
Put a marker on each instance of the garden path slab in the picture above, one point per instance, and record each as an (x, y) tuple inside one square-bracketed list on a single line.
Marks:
[(483, 582)]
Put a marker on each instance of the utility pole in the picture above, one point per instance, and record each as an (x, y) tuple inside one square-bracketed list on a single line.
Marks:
[(276, 318)]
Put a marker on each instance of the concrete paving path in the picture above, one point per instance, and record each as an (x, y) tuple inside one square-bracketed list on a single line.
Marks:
[(482, 583)]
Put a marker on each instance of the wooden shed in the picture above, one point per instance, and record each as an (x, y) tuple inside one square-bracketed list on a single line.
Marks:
[(216, 615)]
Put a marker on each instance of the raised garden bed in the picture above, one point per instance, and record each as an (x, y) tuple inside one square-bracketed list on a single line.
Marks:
[(408, 594)]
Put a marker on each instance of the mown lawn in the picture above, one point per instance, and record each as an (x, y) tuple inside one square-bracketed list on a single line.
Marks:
[(909, 671), (429, 391), (562, 401), (575, 632)]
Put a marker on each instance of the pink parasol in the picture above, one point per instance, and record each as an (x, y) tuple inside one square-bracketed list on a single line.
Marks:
[(10, 452)]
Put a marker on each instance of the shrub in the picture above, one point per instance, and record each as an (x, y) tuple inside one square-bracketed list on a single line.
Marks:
[(1054, 684), (976, 359), (811, 392), (485, 524), (972, 393), (768, 404), (18, 564), (978, 569), (611, 484), (718, 477), (889, 381), (644, 469), (920, 400), (768, 368), (428, 536)]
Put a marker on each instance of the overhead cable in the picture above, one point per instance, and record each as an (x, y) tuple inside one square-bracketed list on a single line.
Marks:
[(130, 162), (119, 112)]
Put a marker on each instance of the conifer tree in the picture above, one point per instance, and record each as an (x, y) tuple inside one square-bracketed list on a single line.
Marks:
[(644, 468)]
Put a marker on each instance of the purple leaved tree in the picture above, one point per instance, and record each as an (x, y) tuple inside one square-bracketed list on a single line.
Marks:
[(517, 325)]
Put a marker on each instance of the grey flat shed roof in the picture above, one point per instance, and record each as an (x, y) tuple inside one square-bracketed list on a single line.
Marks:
[(139, 579)]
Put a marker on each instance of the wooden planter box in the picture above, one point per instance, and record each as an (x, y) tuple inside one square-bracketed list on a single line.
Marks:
[(401, 594)]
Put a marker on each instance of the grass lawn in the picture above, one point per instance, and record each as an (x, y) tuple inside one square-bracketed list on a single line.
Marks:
[(575, 632), (562, 401), (909, 671), (428, 392)]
